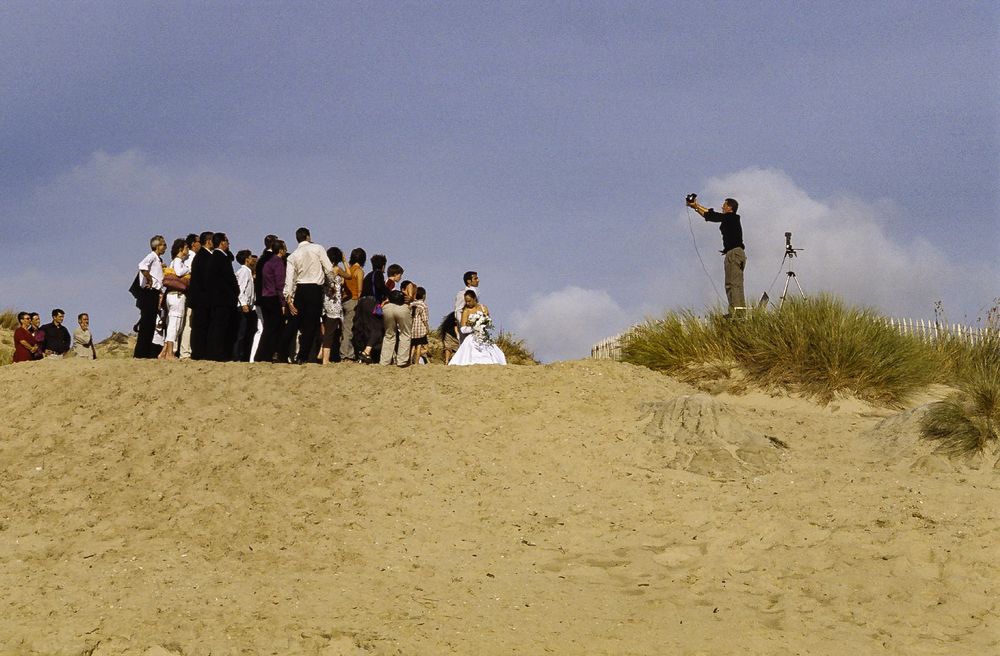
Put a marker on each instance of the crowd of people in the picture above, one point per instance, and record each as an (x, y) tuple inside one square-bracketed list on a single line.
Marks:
[(33, 341), (310, 304)]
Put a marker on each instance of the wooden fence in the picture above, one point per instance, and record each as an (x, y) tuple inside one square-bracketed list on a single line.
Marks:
[(923, 329), (931, 331)]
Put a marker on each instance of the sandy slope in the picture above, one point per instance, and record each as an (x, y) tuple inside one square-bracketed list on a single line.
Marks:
[(585, 507)]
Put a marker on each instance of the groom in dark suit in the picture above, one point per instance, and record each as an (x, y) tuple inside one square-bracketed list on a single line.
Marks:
[(197, 296), (223, 292)]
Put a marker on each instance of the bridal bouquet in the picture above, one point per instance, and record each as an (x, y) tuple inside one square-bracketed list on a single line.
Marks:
[(481, 325)]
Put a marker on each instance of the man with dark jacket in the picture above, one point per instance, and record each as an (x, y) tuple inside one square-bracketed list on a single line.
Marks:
[(197, 297), (222, 292)]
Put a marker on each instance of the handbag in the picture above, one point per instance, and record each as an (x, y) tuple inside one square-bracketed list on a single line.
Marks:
[(136, 288), (175, 283), (377, 310)]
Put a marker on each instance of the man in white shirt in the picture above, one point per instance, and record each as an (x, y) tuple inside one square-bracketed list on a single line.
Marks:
[(246, 316), (150, 294), (305, 276), (471, 279)]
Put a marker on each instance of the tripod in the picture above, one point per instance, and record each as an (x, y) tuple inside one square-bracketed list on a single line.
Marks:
[(790, 253)]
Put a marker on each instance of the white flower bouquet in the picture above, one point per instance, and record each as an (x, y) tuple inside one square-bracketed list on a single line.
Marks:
[(482, 326)]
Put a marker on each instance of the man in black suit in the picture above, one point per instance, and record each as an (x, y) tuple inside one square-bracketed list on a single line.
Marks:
[(197, 297), (223, 292)]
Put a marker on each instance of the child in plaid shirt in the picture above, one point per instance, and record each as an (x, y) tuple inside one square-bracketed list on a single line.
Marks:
[(418, 333)]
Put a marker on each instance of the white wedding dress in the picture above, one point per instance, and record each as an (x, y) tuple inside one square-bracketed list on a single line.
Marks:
[(472, 351)]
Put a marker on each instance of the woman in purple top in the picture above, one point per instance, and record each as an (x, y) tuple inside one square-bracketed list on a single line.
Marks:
[(272, 302)]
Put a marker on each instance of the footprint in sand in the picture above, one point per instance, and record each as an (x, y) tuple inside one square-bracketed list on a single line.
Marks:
[(699, 434), (677, 554)]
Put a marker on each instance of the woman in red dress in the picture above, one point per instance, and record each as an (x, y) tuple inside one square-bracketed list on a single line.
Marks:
[(24, 342)]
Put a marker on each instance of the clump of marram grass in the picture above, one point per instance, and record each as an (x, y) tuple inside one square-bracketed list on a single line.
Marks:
[(822, 347), (681, 344), (817, 346), (8, 320), (960, 359), (514, 349), (8, 324), (968, 421)]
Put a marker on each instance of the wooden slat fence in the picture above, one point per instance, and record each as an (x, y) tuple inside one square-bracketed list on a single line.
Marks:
[(923, 329)]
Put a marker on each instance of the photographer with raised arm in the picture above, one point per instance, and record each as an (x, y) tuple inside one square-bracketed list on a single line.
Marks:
[(732, 246)]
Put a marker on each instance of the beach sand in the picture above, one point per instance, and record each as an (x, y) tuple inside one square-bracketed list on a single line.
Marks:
[(576, 508)]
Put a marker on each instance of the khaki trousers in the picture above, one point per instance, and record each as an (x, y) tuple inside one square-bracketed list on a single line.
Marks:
[(736, 261), (347, 334), (185, 347), (396, 317)]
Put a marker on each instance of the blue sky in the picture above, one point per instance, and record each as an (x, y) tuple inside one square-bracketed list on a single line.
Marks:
[(546, 144)]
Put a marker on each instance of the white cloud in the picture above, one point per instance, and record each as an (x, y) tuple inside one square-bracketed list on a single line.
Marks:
[(564, 324), (86, 230), (125, 191)]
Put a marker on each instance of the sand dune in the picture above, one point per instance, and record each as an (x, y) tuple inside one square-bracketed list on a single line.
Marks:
[(577, 508)]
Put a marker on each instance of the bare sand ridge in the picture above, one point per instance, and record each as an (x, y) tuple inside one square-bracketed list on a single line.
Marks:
[(578, 508)]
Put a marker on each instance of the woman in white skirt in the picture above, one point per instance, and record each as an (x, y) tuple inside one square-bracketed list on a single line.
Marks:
[(175, 282), (477, 345)]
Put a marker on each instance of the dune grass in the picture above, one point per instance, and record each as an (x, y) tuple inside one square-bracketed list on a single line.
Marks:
[(817, 346), (968, 421), (8, 320), (8, 323), (683, 345), (514, 349)]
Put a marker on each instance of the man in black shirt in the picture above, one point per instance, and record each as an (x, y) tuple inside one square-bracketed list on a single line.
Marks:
[(732, 247), (57, 340)]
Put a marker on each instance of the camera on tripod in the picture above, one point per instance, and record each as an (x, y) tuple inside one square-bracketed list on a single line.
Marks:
[(690, 198), (789, 251)]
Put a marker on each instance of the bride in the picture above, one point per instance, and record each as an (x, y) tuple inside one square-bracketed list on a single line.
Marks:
[(477, 345)]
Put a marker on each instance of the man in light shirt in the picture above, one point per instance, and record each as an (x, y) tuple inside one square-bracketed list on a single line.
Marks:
[(151, 284), (471, 279), (245, 306), (307, 270)]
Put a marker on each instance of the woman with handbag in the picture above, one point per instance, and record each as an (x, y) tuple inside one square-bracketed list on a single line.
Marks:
[(175, 282), (368, 328)]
